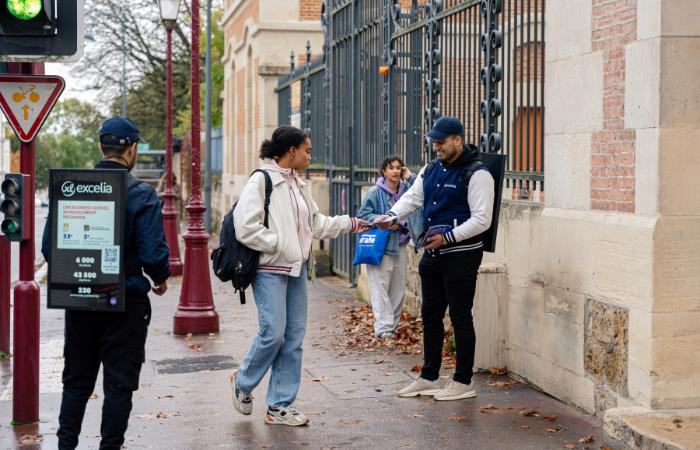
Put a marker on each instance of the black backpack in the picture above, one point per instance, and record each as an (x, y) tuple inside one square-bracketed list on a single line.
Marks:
[(233, 261)]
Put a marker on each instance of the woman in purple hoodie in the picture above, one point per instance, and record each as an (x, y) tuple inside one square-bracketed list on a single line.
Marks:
[(387, 281)]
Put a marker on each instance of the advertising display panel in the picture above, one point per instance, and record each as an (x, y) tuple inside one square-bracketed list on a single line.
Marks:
[(87, 232)]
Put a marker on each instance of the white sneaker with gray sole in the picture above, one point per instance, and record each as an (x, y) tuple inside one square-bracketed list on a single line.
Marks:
[(420, 386), (285, 415), (241, 401), (455, 390)]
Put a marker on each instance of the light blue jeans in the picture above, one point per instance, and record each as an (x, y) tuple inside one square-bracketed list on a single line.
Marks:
[(282, 307)]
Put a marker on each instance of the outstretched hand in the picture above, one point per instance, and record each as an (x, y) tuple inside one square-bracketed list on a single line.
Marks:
[(362, 226), (383, 222)]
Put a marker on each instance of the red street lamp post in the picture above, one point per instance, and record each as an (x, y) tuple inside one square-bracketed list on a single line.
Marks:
[(195, 312), (168, 12)]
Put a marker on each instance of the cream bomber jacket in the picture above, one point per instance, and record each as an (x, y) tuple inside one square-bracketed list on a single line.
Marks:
[(279, 246)]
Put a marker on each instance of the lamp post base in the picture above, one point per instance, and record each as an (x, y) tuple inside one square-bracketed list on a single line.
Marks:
[(195, 312)]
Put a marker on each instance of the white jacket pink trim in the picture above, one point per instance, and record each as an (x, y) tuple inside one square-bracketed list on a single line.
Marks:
[(280, 246)]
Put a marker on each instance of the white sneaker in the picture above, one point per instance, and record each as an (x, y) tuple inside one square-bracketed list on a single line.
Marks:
[(420, 386), (455, 390), (285, 415), (241, 401)]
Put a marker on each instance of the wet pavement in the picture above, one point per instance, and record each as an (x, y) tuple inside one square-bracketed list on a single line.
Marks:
[(184, 398)]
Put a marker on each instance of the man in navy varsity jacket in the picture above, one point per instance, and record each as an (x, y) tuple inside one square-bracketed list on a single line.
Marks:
[(456, 192)]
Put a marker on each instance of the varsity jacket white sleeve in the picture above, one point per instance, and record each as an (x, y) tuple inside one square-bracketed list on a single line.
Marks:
[(480, 198), (411, 200)]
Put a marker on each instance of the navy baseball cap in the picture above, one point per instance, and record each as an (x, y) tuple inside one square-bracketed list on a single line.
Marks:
[(445, 127), (119, 131)]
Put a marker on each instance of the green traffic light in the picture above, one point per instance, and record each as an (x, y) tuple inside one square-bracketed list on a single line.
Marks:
[(9, 226), (25, 9)]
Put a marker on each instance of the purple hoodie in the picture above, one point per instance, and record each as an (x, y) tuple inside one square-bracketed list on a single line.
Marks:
[(404, 238)]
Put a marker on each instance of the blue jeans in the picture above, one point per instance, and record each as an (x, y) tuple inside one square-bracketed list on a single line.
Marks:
[(282, 306)]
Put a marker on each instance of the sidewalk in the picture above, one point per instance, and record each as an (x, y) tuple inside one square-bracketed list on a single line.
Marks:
[(184, 399)]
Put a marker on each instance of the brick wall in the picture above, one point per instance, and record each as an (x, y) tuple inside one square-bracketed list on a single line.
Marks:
[(310, 10), (236, 27), (613, 148)]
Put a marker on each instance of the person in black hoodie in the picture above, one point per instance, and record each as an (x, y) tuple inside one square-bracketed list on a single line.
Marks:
[(456, 192), (116, 340)]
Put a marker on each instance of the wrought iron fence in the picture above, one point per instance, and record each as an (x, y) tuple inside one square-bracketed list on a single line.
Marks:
[(390, 68)]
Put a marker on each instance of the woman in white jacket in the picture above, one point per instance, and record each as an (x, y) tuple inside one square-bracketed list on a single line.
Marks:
[(279, 287)]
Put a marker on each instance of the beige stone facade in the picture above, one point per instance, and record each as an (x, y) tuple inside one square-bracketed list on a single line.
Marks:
[(603, 287), (259, 37)]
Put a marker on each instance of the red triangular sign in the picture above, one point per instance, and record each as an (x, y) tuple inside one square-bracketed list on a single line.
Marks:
[(27, 100)]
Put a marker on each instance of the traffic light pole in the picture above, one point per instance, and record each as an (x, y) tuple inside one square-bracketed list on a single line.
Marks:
[(5, 261), (25, 368)]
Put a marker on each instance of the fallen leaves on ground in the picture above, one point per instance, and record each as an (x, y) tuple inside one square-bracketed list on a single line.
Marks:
[(417, 368), (28, 439), (161, 397), (459, 419), (569, 445), (94, 396), (501, 384), (586, 440), (351, 421), (265, 446), (356, 334), (550, 418), (494, 409), (525, 427), (498, 371), (553, 430), (195, 347), (527, 412), (158, 415), (320, 379), (605, 447)]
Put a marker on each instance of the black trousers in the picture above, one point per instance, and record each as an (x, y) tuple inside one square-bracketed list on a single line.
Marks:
[(117, 341), (449, 280)]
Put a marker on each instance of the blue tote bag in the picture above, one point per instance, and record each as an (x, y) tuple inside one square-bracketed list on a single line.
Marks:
[(371, 246)]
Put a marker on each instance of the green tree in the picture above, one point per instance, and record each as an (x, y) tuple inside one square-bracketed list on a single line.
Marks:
[(69, 139)]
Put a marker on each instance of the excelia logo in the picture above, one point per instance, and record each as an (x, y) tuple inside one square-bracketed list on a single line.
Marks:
[(68, 188)]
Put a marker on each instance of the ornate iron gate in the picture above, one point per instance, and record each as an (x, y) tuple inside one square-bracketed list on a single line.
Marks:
[(392, 67)]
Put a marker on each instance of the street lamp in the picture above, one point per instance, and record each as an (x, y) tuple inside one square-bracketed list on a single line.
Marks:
[(171, 223), (195, 312)]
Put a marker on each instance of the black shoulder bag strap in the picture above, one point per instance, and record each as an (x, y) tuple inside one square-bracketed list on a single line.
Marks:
[(268, 193)]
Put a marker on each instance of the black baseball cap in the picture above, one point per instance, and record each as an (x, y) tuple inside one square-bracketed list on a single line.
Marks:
[(445, 127), (119, 131)]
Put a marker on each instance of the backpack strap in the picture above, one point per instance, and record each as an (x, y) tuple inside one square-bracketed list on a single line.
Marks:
[(268, 193), (470, 169)]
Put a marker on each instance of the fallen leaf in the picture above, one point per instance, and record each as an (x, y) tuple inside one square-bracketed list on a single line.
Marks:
[(501, 383), (416, 415), (586, 440), (551, 430), (524, 427), (494, 409), (188, 336), (416, 368), (94, 396), (404, 445), (459, 419), (29, 439), (498, 371), (530, 413), (161, 397), (569, 445), (265, 446), (549, 418), (320, 379), (351, 421), (195, 347), (606, 447)]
